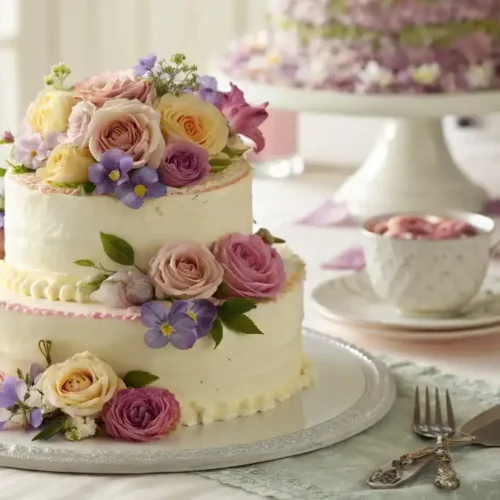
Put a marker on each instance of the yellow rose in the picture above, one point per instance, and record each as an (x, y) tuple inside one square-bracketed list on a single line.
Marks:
[(80, 386), (190, 118), (67, 165), (50, 111)]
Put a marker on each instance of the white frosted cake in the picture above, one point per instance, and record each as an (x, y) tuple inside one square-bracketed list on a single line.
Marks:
[(132, 277)]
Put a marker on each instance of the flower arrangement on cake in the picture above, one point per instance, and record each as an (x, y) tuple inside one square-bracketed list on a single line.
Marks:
[(133, 137)]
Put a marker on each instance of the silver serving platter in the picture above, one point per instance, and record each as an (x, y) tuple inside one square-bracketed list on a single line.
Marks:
[(352, 392)]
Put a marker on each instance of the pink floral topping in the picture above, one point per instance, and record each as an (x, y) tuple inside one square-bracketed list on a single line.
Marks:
[(252, 268), (185, 270), (101, 88), (244, 119), (144, 414)]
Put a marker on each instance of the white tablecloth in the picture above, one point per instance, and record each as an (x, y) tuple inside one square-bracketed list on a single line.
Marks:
[(277, 204)]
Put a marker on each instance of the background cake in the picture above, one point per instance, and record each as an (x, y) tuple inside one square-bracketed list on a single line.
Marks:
[(130, 258), (411, 46)]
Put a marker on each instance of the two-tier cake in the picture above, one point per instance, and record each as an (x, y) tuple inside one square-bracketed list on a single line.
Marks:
[(409, 46), (134, 292)]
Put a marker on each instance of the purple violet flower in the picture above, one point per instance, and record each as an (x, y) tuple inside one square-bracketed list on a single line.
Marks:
[(146, 65), (203, 312), (36, 371), (168, 325), (13, 390), (30, 149), (35, 418), (2, 220), (111, 171), (208, 91), (143, 183)]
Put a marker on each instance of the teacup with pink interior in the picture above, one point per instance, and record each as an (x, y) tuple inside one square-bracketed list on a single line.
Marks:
[(427, 264)]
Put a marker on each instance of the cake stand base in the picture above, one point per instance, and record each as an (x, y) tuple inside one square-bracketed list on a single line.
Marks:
[(410, 169)]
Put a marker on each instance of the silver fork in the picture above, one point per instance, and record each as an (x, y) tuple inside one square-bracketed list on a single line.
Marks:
[(432, 428)]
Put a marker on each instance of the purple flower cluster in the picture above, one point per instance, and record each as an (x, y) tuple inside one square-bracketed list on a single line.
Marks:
[(180, 324), (114, 175)]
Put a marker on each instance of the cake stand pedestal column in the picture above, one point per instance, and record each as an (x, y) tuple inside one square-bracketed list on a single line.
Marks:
[(410, 169)]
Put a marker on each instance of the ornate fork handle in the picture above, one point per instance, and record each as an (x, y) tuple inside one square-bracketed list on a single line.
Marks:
[(399, 471), (446, 477)]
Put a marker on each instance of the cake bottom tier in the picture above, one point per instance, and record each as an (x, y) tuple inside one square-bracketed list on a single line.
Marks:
[(244, 375)]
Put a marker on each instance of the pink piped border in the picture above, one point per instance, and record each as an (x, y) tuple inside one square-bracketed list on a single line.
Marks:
[(22, 308)]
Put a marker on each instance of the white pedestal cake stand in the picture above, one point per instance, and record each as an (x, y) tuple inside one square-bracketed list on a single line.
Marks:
[(410, 168)]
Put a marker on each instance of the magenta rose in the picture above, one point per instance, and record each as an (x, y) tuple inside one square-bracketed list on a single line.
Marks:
[(144, 414), (252, 268), (184, 164), (186, 270), (102, 88)]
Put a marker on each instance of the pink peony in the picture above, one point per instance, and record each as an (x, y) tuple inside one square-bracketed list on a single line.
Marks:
[(130, 126), (144, 414), (101, 88), (252, 268), (244, 119), (184, 164), (186, 270), (78, 123)]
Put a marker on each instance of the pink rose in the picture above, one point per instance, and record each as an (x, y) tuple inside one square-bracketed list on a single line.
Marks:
[(144, 414), (100, 89), (244, 119), (78, 123), (252, 268), (185, 270), (130, 126)]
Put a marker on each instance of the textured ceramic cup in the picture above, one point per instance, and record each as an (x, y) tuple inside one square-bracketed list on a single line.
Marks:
[(428, 277)]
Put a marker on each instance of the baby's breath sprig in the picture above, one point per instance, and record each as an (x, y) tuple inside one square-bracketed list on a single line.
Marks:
[(58, 74), (174, 77)]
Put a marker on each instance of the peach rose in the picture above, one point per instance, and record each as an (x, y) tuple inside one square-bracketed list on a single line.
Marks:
[(130, 126), (185, 270), (104, 87)]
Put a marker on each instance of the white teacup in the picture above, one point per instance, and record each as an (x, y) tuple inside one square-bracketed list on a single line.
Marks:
[(424, 276)]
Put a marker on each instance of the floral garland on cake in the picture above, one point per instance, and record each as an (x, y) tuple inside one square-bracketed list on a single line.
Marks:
[(134, 133), (82, 397), (190, 290)]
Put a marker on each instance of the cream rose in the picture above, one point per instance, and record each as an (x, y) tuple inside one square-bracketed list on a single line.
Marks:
[(190, 118), (67, 165), (130, 126), (78, 123), (50, 111), (80, 386)]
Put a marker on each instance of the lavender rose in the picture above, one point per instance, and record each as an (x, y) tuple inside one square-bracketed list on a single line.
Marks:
[(144, 414), (102, 88), (185, 270), (252, 268), (130, 126), (184, 164), (78, 123)]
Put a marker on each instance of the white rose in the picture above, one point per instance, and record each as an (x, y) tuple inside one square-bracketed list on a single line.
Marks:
[(80, 386), (78, 123)]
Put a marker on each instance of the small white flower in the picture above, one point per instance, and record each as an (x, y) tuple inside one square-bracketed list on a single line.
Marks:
[(78, 428), (34, 398), (479, 76), (374, 74), (426, 74)]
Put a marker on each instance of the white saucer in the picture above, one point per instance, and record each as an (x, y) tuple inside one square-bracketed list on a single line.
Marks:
[(353, 391), (351, 299)]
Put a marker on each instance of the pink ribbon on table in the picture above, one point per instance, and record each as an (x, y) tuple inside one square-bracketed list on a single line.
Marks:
[(329, 214), (352, 259)]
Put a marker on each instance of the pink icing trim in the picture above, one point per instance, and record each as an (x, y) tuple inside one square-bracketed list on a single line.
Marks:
[(14, 307)]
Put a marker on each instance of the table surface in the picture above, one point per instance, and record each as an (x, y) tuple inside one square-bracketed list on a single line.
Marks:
[(277, 205)]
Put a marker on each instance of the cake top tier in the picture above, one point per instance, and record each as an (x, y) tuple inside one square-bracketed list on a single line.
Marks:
[(134, 134)]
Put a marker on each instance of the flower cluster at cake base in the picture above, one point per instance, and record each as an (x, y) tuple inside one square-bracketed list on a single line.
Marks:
[(190, 290), (132, 134), (83, 396)]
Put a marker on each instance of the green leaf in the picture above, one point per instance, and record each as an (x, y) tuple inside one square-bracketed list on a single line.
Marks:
[(234, 152), (217, 169), (84, 263), (220, 162), (217, 332), (19, 169), (241, 324), (139, 378), (234, 307), (117, 250), (3, 171), (50, 430), (20, 374), (86, 188), (279, 240)]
